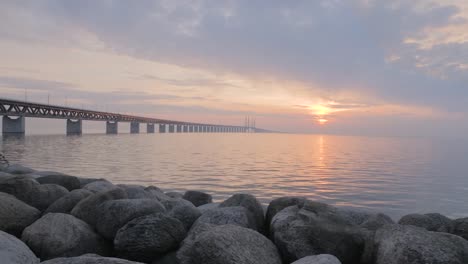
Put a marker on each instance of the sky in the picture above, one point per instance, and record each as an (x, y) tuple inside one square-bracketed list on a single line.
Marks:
[(350, 67)]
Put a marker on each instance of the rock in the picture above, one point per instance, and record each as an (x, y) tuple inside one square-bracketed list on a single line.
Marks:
[(377, 221), (89, 260), (136, 191), (169, 258), (395, 244), (85, 181), (298, 233), (279, 204), (318, 259), (69, 182), (250, 203), (18, 169), (460, 227), (16, 215), (112, 215), (31, 192), (149, 237), (182, 210), (432, 222), (229, 244), (14, 251), (176, 195), (99, 186), (67, 202), (207, 207), (237, 215), (62, 235), (86, 209), (197, 198)]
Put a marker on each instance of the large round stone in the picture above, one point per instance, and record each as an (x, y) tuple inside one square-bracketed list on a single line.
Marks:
[(229, 244), (432, 222), (460, 227), (67, 202), (236, 215), (99, 186), (16, 215), (318, 259), (89, 260), (182, 210), (69, 182), (62, 235), (149, 237), (279, 204), (250, 203), (197, 198), (14, 251), (112, 215)]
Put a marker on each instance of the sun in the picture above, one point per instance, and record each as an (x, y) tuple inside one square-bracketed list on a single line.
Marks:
[(322, 121)]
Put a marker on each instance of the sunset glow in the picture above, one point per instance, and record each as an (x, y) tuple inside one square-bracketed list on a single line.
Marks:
[(322, 121)]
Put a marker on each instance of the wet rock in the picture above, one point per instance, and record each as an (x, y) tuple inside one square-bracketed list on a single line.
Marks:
[(250, 203), (207, 207), (395, 244), (279, 204), (89, 260), (197, 198), (112, 215), (182, 210), (18, 169), (69, 182), (377, 221), (86, 209), (85, 181), (47, 194), (432, 222), (149, 237), (62, 235), (318, 259), (99, 186), (460, 227), (16, 215), (176, 195), (229, 244), (298, 232), (237, 215), (136, 191), (14, 251), (67, 202), (169, 258)]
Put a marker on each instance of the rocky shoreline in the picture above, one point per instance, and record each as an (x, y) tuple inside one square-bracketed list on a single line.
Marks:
[(62, 219)]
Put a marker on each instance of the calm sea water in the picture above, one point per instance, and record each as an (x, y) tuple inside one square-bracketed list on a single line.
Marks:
[(392, 175)]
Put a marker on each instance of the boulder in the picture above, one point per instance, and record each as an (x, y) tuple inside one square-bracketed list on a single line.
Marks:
[(197, 198), (114, 214), (18, 169), (69, 182), (432, 222), (395, 244), (182, 210), (207, 207), (250, 203), (14, 251), (279, 204), (99, 186), (149, 237), (169, 258), (377, 221), (460, 227), (67, 202), (318, 259), (298, 232), (229, 244), (136, 191), (62, 235), (85, 181), (47, 194), (89, 260), (176, 195), (237, 215), (16, 215), (86, 209)]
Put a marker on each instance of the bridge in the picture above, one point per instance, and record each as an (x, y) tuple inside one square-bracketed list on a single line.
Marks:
[(14, 113)]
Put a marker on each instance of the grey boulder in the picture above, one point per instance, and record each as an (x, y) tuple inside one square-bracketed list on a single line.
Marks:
[(86, 259), (207, 207), (87, 208), (14, 251), (99, 186), (176, 195), (396, 244), (114, 214), (318, 259), (182, 210), (69, 182), (236, 215), (197, 198), (16, 215), (377, 221), (279, 204), (137, 191), (432, 222), (18, 169), (460, 227), (250, 203), (62, 235), (67, 202), (149, 237), (229, 244)]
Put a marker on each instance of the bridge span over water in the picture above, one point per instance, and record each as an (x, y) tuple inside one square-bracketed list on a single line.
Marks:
[(14, 113)]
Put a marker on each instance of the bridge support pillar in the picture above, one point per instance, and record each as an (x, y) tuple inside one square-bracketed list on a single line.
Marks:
[(179, 128), (204, 129), (112, 127), (162, 128), (191, 129), (74, 127), (197, 129), (150, 128), (13, 125), (171, 129), (134, 127), (185, 128)]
